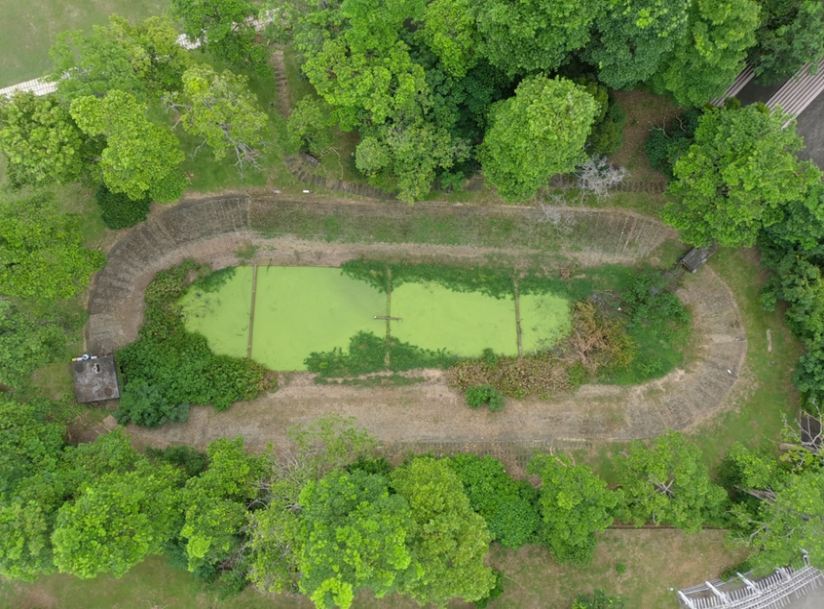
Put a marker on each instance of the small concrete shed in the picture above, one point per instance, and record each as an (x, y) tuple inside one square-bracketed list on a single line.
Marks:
[(95, 379)]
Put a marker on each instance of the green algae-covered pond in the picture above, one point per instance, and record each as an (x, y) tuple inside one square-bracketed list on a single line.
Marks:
[(301, 310)]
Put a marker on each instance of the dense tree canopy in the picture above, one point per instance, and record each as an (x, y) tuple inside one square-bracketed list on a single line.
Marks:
[(41, 249), (533, 35), (41, 142), (780, 510), (448, 540), (143, 59), (707, 60), (355, 536), (223, 28), (140, 158), (575, 504), (536, 134), (634, 38), (791, 35), (737, 177), (667, 483)]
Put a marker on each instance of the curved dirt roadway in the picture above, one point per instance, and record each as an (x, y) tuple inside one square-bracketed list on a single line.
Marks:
[(213, 230)]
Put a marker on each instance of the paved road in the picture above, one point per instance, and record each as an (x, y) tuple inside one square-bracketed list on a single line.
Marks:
[(814, 600), (811, 128), (810, 122)]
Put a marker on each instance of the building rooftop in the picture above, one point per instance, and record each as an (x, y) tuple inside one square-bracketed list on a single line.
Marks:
[(95, 379)]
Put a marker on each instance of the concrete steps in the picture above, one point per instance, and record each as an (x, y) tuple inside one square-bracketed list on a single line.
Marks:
[(799, 92)]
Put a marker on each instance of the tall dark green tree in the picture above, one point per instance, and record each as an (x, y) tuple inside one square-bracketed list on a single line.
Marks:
[(223, 28), (634, 38), (712, 53), (791, 35), (533, 35), (737, 177)]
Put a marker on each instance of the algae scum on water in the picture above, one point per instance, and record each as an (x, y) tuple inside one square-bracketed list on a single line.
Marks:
[(297, 311)]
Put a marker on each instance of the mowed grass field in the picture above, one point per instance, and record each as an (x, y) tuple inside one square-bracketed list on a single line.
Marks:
[(29, 29)]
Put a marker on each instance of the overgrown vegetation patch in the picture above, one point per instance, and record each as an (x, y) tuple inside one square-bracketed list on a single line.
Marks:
[(168, 368)]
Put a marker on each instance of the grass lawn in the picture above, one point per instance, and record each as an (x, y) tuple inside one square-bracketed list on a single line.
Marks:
[(29, 29)]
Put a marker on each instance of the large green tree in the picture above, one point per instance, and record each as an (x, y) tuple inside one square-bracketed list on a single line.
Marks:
[(216, 502), (220, 109), (275, 537), (791, 35), (143, 59), (667, 483), (223, 28), (41, 142), (706, 61), (450, 32), (507, 506), (41, 249), (354, 537), (140, 158), (449, 541), (539, 132), (117, 521), (575, 505), (359, 64), (634, 38), (737, 177), (533, 35), (780, 511), (27, 341)]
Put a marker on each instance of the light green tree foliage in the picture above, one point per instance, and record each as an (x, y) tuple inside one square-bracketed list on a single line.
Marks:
[(537, 133), (791, 35), (143, 59), (449, 31), (411, 151), (308, 126), (29, 441), (117, 521), (275, 545), (26, 342), (707, 60), (533, 35), (216, 502), (667, 483), (40, 141), (737, 177), (41, 249), (788, 516), (222, 110), (28, 509), (449, 541), (140, 159), (362, 68), (635, 38), (354, 537), (575, 505), (223, 27)]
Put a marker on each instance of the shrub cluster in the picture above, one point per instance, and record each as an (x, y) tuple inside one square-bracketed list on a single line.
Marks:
[(168, 368), (118, 210), (485, 395), (665, 144)]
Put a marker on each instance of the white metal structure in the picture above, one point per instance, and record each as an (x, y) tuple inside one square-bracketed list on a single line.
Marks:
[(772, 592)]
